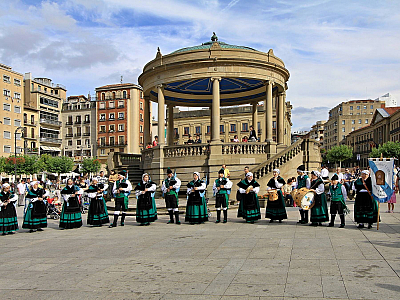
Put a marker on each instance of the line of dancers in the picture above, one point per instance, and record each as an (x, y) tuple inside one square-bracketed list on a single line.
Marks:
[(35, 218)]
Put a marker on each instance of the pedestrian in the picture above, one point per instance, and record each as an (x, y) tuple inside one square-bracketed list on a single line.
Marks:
[(190, 140), (319, 212), (253, 135), (111, 180), (198, 140), (196, 208), (338, 201), (121, 190), (170, 189), (347, 178), (35, 216), (276, 210), (325, 173), (221, 187), (146, 211), (8, 213), (155, 142), (249, 205), (97, 214), (287, 190), (21, 188), (227, 174), (71, 216)]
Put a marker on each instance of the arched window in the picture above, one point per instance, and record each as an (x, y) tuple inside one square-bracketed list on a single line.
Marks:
[(113, 95)]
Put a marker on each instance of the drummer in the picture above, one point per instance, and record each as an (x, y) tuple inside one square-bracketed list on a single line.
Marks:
[(276, 209), (249, 205), (319, 212), (338, 200), (302, 181)]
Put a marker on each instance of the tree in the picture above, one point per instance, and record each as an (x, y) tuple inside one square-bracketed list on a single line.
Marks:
[(59, 164), (388, 150), (90, 165), (2, 164), (339, 154)]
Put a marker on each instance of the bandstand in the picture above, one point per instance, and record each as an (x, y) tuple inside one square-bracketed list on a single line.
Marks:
[(214, 74)]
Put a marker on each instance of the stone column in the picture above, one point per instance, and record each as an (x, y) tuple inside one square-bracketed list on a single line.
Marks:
[(170, 125), (161, 115), (280, 119), (215, 111), (147, 122), (135, 124), (268, 112), (255, 118)]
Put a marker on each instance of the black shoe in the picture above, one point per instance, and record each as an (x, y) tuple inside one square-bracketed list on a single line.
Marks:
[(178, 223), (313, 224), (170, 222), (122, 224), (11, 232), (299, 222), (280, 221), (225, 221), (39, 229), (341, 226), (360, 226), (112, 225), (30, 231), (369, 226), (271, 221), (251, 222), (218, 221), (331, 225), (4, 233)]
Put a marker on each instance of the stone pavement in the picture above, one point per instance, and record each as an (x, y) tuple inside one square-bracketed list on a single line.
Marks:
[(209, 261)]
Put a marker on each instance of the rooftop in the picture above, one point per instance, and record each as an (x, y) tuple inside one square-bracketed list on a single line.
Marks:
[(118, 86)]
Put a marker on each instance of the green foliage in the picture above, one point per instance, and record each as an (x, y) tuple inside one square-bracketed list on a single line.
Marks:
[(339, 153), (2, 164), (388, 150), (59, 164), (90, 165)]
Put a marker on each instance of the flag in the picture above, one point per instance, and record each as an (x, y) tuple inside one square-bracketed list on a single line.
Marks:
[(382, 173)]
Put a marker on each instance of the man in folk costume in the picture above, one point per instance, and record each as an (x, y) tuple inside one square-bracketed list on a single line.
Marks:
[(239, 196), (302, 181), (121, 190), (338, 201), (365, 207), (35, 215), (8, 214), (146, 210), (170, 189), (276, 210), (220, 188), (196, 207), (319, 212), (249, 206), (97, 214)]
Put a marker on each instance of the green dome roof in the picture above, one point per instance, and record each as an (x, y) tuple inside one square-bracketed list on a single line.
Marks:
[(208, 45)]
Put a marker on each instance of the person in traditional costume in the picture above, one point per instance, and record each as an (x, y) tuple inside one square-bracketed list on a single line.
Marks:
[(35, 217), (276, 210), (338, 201), (97, 214), (365, 207), (146, 211), (239, 196), (302, 181), (221, 187), (121, 190), (170, 189), (8, 213), (71, 216), (319, 212), (249, 206), (196, 207)]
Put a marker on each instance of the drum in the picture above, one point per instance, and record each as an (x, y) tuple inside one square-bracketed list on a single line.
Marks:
[(249, 189), (272, 195), (304, 198)]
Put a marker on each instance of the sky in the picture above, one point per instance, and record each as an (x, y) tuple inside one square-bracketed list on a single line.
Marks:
[(334, 50)]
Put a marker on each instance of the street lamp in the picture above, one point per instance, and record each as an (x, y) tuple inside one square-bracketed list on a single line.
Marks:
[(15, 149)]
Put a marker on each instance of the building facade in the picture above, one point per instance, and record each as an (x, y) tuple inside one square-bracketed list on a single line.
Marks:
[(234, 121), (119, 115), (42, 103), (384, 127), (12, 111), (347, 117), (79, 128), (317, 131)]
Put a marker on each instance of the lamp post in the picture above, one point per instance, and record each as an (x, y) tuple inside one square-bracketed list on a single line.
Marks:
[(15, 150)]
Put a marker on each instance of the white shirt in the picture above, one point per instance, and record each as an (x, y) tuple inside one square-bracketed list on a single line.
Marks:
[(176, 186), (21, 188), (324, 172), (340, 175)]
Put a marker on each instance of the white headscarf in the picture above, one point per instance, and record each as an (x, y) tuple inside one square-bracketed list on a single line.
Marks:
[(34, 182), (197, 173), (277, 170), (316, 173), (5, 185), (144, 175), (365, 172), (249, 174)]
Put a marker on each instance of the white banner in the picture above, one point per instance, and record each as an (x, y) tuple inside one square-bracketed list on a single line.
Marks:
[(382, 173)]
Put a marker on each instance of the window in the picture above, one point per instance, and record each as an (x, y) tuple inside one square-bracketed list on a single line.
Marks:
[(39, 88), (6, 79), (198, 130), (352, 128), (121, 116), (78, 142), (141, 128), (87, 118), (141, 117), (358, 106), (102, 105), (221, 128), (343, 122), (7, 93), (372, 107), (366, 121), (17, 82), (87, 142), (176, 132), (7, 149), (112, 140), (48, 102), (102, 129), (111, 104), (208, 130), (365, 107), (102, 151), (232, 128), (343, 129), (17, 122), (18, 136), (6, 107), (351, 107), (7, 121), (7, 135), (121, 140), (353, 121), (141, 105), (186, 131), (103, 97), (351, 114), (245, 126), (359, 121), (113, 96), (121, 104), (111, 116), (120, 127), (17, 95), (124, 94), (70, 143)]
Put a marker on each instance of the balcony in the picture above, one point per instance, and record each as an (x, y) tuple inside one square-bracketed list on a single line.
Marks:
[(69, 123), (78, 134), (78, 122), (116, 144), (30, 137), (86, 122), (27, 123), (31, 150), (52, 140), (69, 135), (50, 122), (86, 134)]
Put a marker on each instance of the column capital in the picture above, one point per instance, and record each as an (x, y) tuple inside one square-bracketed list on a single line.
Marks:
[(216, 78), (160, 86), (267, 82)]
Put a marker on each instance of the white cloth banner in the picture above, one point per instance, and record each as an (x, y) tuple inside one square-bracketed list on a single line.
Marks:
[(382, 178)]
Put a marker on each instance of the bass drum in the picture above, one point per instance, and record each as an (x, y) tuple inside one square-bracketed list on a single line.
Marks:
[(304, 198), (272, 195)]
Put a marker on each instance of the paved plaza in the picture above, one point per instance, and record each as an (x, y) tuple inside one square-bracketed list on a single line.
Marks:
[(209, 261)]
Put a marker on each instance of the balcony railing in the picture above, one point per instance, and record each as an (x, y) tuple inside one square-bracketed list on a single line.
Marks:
[(68, 135), (78, 134), (69, 123), (116, 144), (86, 122), (30, 123), (86, 134), (51, 122), (78, 122), (50, 140)]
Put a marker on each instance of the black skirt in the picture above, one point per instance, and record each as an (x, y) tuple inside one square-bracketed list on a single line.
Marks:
[(249, 201), (72, 206), (145, 201), (38, 210)]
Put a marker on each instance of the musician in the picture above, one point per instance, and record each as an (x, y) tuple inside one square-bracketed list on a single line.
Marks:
[(365, 207), (220, 189), (170, 188), (196, 207), (35, 216), (302, 181), (121, 190), (249, 206), (319, 212), (146, 211), (239, 196), (338, 200), (8, 213), (97, 214), (276, 210), (71, 216)]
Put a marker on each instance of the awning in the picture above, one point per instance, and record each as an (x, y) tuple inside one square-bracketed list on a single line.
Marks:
[(55, 149), (45, 148)]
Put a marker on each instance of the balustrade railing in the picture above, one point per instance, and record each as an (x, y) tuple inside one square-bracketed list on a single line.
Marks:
[(244, 148), (186, 150)]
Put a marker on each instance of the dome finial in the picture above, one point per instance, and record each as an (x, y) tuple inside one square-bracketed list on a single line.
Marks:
[(214, 37)]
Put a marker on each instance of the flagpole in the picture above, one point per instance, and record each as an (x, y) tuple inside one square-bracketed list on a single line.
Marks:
[(379, 206)]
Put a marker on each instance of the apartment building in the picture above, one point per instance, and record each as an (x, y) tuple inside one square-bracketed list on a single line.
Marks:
[(12, 110)]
